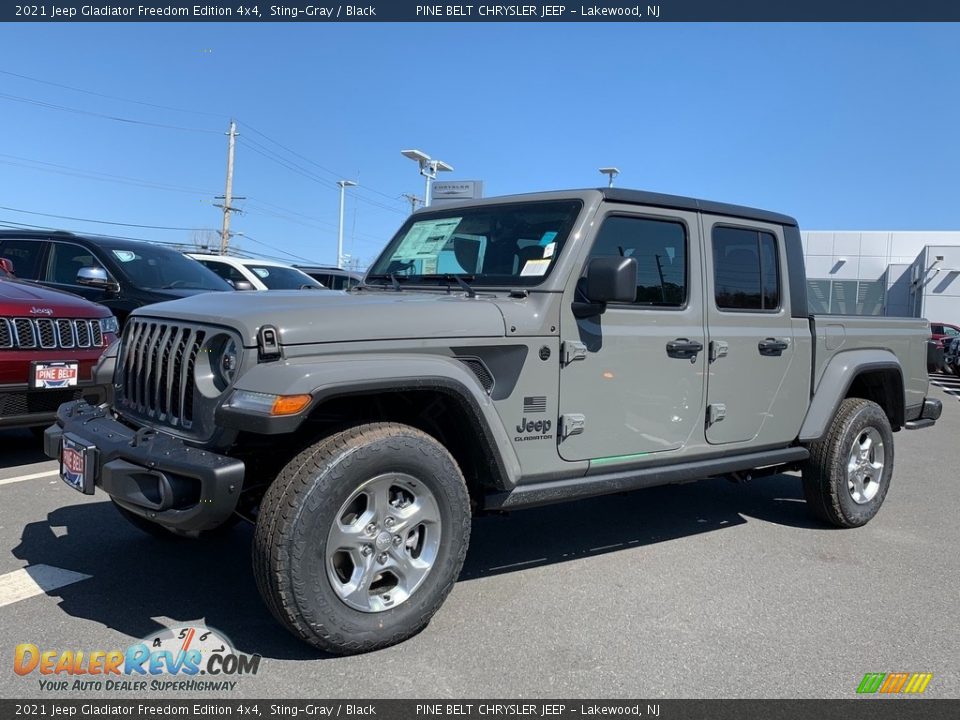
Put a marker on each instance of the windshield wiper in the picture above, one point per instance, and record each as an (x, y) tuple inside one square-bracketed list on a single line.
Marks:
[(462, 282), (394, 280)]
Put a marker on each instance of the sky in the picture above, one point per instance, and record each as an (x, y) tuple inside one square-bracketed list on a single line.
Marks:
[(844, 126)]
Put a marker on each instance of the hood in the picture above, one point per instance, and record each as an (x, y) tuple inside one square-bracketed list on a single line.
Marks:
[(317, 316), (23, 299)]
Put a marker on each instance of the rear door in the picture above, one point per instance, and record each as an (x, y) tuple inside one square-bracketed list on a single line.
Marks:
[(752, 396)]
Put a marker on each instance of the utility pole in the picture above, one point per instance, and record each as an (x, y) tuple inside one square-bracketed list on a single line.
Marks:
[(413, 200), (343, 185), (228, 193)]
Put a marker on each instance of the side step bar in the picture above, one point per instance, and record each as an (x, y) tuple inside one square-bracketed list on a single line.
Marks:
[(544, 493)]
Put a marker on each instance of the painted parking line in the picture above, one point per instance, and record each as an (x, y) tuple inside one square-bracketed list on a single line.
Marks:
[(31, 476), (950, 384), (35, 580)]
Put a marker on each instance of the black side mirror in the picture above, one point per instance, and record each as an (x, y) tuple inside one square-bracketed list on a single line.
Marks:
[(609, 279), (96, 277)]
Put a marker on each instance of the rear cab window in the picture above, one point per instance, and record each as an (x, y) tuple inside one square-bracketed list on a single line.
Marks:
[(746, 269)]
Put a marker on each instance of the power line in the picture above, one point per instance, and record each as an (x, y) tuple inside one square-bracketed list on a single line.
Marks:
[(111, 97), (95, 175), (116, 118), (275, 249), (101, 222), (361, 188)]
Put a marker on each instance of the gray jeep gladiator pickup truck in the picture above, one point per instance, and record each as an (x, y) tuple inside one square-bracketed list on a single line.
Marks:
[(501, 353)]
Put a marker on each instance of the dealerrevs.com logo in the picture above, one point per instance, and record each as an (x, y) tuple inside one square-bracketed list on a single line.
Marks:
[(191, 658)]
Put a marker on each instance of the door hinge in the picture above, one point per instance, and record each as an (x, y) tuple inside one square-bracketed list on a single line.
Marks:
[(571, 424), (716, 412), (718, 349), (571, 351)]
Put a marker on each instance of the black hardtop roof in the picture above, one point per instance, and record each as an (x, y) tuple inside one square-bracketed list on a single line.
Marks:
[(99, 240), (632, 197), (644, 197)]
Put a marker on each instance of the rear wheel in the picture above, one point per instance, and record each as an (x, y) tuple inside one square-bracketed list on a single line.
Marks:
[(848, 473), (361, 537)]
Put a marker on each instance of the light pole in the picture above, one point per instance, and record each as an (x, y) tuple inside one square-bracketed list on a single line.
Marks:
[(343, 185), (611, 173), (428, 168)]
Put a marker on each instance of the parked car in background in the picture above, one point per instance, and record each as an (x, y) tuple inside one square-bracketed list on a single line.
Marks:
[(951, 355), (331, 277), (50, 344), (942, 332), (120, 274), (256, 274)]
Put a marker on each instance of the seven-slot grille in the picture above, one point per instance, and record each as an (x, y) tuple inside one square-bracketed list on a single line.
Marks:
[(157, 370), (48, 334)]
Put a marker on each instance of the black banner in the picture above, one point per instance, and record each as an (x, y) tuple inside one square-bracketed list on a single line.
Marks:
[(862, 709), (424, 11)]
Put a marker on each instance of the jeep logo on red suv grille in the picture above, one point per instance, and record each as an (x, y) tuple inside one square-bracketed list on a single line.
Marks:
[(41, 311)]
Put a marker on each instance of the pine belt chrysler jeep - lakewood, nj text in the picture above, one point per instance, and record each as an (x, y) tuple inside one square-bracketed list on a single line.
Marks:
[(503, 352)]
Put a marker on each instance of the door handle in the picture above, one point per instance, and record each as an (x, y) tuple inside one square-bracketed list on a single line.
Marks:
[(683, 348), (773, 346)]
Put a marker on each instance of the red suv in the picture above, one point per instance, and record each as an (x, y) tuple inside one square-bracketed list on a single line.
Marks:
[(50, 342)]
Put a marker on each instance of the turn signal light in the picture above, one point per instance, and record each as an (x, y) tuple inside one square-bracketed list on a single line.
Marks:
[(289, 404)]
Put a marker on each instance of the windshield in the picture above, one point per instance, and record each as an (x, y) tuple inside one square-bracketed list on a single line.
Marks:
[(282, 278), (514, 244), (154, 268)]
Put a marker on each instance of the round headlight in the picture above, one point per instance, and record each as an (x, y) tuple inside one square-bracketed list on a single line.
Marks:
[(228, 361)]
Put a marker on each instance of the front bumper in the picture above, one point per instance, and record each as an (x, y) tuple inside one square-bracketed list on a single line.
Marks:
[(157, 476)]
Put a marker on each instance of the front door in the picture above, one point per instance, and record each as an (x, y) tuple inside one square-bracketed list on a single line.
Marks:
[(750, 391), (632, 380)]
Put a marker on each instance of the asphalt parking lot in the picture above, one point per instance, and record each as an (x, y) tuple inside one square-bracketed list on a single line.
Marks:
[(703, 590)]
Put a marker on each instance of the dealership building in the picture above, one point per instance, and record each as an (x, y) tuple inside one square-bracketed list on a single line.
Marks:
[(897, 273)]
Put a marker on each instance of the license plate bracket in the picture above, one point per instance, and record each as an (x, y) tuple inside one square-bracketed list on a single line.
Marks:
[(54, 375), (78, 463)]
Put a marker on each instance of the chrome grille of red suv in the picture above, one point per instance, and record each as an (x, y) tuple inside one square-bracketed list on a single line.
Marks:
[(49, 334)]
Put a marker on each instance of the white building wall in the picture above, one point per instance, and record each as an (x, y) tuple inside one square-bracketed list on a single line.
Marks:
[(887, 257)]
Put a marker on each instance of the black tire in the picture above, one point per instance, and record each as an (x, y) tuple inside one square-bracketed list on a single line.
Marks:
[(161, 533), (299, 509), (825, 480)]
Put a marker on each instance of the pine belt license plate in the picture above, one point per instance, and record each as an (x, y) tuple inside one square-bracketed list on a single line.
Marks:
[(78, 463), (51, 375)]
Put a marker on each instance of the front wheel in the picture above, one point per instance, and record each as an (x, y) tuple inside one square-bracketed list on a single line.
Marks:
[(361, 537), (847, 476)]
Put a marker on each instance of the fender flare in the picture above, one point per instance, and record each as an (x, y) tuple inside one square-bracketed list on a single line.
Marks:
[(326, 379), (842, 369)]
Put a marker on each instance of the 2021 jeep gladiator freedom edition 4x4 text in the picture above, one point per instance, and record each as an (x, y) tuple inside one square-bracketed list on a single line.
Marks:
[(501, 353)]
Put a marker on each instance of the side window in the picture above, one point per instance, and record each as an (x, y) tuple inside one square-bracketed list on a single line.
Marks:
[(746, 269), (949, 331), (65, 260), (25, 255), (660, 249), (934, 329), (227, 272)]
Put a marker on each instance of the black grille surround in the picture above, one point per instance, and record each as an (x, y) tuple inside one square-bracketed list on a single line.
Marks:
[(165, 376), (30, 333)]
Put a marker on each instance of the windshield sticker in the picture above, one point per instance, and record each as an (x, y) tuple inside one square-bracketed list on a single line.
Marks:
[(426, 239), (548, 238), (125, 255), (535, 267), (548, 250)]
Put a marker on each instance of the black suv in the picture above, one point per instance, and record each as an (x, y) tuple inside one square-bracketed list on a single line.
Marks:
[(121, 274)]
